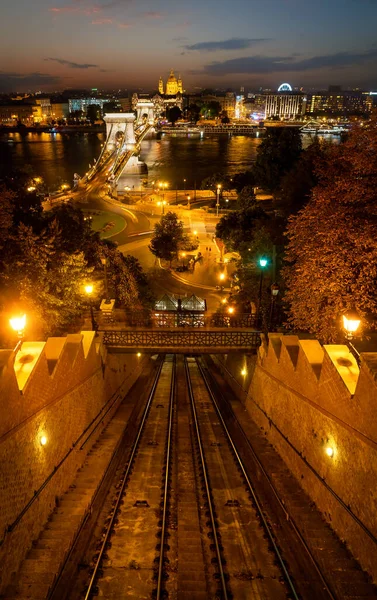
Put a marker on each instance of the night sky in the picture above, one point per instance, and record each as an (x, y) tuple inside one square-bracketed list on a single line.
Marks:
[(58, 44)]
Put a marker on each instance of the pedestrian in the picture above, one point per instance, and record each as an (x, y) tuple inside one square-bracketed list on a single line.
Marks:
[(210, 249), (206, 248)]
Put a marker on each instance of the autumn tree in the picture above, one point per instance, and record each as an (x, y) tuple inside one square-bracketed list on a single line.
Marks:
[(168, 234), (332, 242), (276, 155), (297, 184)]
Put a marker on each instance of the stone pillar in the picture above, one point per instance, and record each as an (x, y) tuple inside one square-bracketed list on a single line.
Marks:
[(118, 124)]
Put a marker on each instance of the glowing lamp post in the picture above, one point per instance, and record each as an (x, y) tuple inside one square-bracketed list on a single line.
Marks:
[(18, 325), (89, 291), (351, 323), (274, 294), (262, 264), (218, 189), (163, 185), (188, 202), (105, 265)]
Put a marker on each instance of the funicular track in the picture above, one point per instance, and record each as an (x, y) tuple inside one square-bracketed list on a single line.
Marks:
[(126, 562), (124, 554), (250, 561), (188, 519)]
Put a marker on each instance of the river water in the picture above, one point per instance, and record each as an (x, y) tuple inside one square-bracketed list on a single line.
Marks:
[(57, 156)]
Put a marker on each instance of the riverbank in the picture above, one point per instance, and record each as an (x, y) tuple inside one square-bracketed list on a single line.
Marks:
[(57, 129)]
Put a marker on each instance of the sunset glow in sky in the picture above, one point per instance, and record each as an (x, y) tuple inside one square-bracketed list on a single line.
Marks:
[(59, 44)]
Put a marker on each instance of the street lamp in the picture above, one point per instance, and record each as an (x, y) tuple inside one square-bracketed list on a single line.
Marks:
[(188, 201), (351, 323), (104, 262), (218, 199), (184, 184), (89, 291), (162, 204), (18, 325), (163, 185), (183, 255), (262, 264), (274, 294)]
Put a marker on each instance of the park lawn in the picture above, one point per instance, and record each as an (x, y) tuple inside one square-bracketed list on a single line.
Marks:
[(106, 223)]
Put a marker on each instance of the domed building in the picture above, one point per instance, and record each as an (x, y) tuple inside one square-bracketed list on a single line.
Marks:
[(174, 86), (169, 95)]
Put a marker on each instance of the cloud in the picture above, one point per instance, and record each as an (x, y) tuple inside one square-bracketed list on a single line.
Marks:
[(180, 39), (231, 44), (12, 82), (124, 25), (72, 65), (277, 64), (150, 14), (82, 7), (102, 22), (73, 8)]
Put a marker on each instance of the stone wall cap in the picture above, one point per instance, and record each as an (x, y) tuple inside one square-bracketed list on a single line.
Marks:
[(25, 361), (345, 363)]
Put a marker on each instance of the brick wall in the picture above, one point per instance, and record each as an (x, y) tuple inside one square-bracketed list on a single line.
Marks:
[(57, 389), (309, 398)]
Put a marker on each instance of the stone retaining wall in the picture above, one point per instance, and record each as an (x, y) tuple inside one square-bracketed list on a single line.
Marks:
[(64, 390), (319, 411)]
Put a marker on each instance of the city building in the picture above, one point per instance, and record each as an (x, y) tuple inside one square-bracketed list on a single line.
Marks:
[(14, 113), (338, 102), (285, 105), (228, 104), (81, 104), (59, 111), (174, 86)]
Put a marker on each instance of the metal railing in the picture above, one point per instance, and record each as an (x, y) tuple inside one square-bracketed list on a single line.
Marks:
[(167, 320), (176, 339)]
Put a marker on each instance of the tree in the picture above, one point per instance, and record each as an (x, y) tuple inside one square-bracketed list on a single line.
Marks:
[(298, 183), (241, 180), (332, 242), (211, 109), (168, 234), (224, 117), (6, 221), (174, 113), (75, 231), (193, 112), (246, 197), (214, 180), (47, 282), (238, 227), (93, 113), (276, 155)]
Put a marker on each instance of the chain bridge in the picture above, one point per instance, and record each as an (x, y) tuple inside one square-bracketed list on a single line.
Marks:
[(120, 152)]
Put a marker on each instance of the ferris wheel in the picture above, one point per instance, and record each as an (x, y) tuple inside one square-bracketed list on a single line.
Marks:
[(285, 87)]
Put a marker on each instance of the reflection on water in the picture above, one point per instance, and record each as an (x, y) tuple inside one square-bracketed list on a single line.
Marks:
[(52, 155), (59, 155)]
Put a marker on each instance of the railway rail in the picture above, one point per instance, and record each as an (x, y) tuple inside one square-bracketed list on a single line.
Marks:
[(188, 520)]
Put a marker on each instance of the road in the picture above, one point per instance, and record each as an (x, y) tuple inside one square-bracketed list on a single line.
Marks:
[(135, 238)]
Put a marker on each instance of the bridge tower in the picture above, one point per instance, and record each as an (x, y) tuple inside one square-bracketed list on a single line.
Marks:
[(120, 133), (120, 128), (145, 107)]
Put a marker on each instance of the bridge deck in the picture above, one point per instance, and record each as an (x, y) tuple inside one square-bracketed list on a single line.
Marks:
[(195, 341)]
